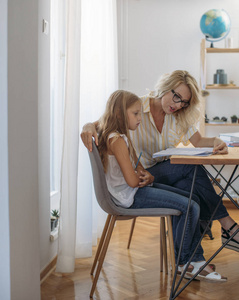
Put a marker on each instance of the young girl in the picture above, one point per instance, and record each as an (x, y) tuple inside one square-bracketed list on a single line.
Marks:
[(134, 187)]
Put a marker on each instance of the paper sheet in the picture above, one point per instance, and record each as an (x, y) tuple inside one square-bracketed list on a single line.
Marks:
[(184, 151)]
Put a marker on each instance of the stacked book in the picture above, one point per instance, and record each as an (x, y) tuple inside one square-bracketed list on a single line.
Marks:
[(232, 139)]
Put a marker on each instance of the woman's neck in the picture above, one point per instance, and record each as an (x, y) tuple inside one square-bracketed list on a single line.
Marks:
[(156, 107), (157, 112)]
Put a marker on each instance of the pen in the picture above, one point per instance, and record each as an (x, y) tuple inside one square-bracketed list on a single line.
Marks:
[(138, 160)]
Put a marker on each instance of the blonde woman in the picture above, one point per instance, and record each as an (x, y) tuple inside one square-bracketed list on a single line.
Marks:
[(169, 116)]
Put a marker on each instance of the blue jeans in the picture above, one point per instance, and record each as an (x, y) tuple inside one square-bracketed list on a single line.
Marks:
[(162, 196), (180, 176)]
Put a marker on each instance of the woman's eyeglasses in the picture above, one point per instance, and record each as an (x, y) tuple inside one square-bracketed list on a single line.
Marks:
[(177, 99)]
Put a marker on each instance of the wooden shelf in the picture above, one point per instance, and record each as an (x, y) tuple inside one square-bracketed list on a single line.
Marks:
[(222, 50), (211, 87), (225, 124), (207, 86)]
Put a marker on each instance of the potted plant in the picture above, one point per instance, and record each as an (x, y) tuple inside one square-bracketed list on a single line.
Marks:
[(234, 119), (53, 223), (54, 218)]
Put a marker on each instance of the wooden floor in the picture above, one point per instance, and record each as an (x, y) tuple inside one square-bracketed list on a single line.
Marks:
[(134, 274)]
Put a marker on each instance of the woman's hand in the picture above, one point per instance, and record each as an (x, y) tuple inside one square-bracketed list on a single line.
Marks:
[(145, 178), (220, 146), (89, 131)]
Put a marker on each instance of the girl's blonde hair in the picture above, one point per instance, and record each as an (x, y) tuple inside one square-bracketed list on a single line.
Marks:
[(115, 119), (185, 117)]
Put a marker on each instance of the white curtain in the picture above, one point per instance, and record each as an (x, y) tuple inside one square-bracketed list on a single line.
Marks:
[(91, 76)]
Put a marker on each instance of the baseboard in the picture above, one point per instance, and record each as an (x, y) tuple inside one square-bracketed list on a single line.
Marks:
[(48, 270)]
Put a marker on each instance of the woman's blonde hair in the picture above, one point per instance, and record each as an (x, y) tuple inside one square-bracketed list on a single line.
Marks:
[(188, 116), (115, 119)]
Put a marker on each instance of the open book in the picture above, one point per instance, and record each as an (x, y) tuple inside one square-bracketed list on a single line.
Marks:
[(184, 151)]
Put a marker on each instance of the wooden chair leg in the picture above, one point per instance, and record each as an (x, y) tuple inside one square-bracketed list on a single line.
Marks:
[(161, 253), (102, 254), (171, 243), (102, 239), (164, 243), (131, 232)]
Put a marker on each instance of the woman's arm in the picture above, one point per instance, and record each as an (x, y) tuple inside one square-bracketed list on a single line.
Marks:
[(218, 145), (89, 131), (120, 150)]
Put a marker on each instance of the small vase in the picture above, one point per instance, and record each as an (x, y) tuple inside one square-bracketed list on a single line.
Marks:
[(53, 224), (220, 77)]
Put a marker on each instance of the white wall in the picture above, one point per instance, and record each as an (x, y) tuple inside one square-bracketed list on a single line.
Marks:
[(28, 117), (24, 153), (162, 36), (23, 148), (4, 197)]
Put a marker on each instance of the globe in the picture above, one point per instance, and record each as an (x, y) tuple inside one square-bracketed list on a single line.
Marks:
[(215, 24)]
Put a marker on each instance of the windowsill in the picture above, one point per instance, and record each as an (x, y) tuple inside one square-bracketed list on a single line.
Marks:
[(55, 203), (54, 193), (54, 234)]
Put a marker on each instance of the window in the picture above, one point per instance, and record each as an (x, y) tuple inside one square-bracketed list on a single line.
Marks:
[(57, 69)]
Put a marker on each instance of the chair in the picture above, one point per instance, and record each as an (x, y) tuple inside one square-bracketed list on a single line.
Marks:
[(116, 213), (163, 243)]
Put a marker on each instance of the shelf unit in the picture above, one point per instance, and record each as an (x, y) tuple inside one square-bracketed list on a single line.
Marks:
[(205, 86), (209, 87), (225, 124)]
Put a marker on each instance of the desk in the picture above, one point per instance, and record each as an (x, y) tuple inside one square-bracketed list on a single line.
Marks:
[(232, 158)]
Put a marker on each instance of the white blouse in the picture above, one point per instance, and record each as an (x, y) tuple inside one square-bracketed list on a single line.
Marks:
[(123, 194)]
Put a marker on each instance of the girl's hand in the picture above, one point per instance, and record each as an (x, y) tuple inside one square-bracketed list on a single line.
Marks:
[(145, 178), (220, 146)]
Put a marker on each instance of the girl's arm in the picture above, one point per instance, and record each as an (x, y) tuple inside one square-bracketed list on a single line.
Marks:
[(89, 131), (120, 150), (218, 145)]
